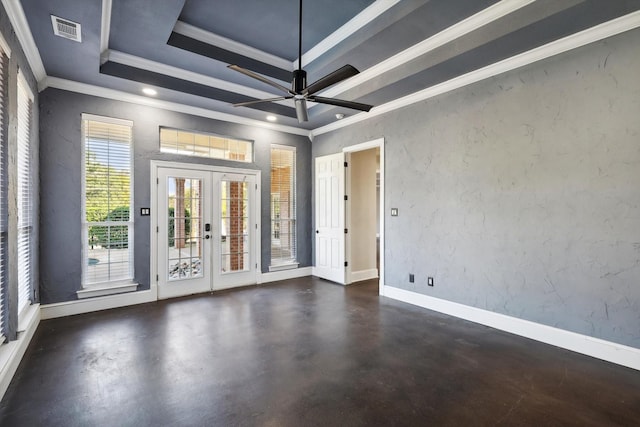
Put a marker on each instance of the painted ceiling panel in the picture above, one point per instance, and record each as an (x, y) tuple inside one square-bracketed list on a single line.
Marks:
[(227, 56), (272, 26), (423, 22), (188, 87), (146, 46)]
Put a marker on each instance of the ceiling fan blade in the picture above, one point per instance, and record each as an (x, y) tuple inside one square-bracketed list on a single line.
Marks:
[(301, 110), (260, 78), (330, 79), (341, 103), (258, 101)]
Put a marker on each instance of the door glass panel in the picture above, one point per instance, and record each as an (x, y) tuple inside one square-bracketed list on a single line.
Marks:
[(184, 228), (234, 226)]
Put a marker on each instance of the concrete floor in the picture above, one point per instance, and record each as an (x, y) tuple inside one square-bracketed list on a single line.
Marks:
[(305, 352)]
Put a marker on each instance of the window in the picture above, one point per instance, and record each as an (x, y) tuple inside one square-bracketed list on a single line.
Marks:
[(4, 60), (205, 145), (283, 206), (25, 214), (107, 196)]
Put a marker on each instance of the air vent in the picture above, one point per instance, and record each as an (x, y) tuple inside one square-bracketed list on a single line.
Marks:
[(65, 28)]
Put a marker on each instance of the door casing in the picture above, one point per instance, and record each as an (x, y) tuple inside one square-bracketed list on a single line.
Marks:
[(377, 143)]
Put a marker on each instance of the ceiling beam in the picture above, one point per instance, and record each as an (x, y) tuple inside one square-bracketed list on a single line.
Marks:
[(105, 26), (212, 39), (181, 73), (117, 95), (472, 23), (599, 32), (354, 24)]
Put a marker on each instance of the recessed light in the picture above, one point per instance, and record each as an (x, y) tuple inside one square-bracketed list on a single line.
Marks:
[(149, 91), (339, 116), (272, 118)]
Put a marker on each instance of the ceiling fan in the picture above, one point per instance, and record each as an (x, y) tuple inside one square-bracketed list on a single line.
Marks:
[(299, 91)]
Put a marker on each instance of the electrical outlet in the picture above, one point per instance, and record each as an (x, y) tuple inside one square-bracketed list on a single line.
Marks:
[(430, 281), (411, 278)]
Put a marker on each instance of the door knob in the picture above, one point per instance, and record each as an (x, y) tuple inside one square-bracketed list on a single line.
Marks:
[(206, 236), (317, 232)]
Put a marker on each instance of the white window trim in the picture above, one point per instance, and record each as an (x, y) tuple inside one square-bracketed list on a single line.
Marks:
[(116, 286), (23, 84), (293, 263), (5, 46), (6, 51), (284, 266), (103, 289)]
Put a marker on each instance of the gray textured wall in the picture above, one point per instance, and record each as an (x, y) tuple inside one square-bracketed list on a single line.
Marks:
[(60, 175), (520, 194)]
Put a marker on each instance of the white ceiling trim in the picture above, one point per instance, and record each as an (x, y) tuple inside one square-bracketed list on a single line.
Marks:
[(591, 35), (21, 27), (480, 19), (105, 27), (180, 73), (354, 24), (118, 95), (231, 45)]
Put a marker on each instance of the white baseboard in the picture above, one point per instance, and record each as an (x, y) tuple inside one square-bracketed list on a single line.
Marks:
[(594, 347), (12, 352), (275, 276), (359, 276), (69, 308)]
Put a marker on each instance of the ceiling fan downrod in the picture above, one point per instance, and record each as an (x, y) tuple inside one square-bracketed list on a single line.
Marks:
[(299, 91)]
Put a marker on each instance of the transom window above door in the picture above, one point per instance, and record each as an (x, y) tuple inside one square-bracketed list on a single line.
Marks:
[(200, 144)]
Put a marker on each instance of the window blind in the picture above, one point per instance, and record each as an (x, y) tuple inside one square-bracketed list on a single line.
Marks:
[(25, 216), (107, 225), (3, 193), (283, 205)]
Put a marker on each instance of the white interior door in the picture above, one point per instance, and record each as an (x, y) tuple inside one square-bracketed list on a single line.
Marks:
[(184, 245), (206, 235), (330, 205)]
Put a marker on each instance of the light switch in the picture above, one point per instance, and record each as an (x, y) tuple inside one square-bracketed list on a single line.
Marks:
[(394, 211), (145, 211)]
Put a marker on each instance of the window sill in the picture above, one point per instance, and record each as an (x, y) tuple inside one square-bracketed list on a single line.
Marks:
[(101, 290), (287, 266)]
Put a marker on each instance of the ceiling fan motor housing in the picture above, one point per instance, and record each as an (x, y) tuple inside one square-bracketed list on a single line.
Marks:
[(299, 82)]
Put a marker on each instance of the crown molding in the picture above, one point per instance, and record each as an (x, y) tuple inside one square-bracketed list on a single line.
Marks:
[(180, 73), (445, 36), (105, 26), (574, 41), (21, 27), (205, 36), (117, 95), (354, 24)]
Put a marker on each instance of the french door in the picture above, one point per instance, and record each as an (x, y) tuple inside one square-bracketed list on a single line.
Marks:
[(206, 231)]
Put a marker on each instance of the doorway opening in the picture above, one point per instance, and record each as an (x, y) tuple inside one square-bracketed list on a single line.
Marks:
[(344, 254), (363, 215)]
